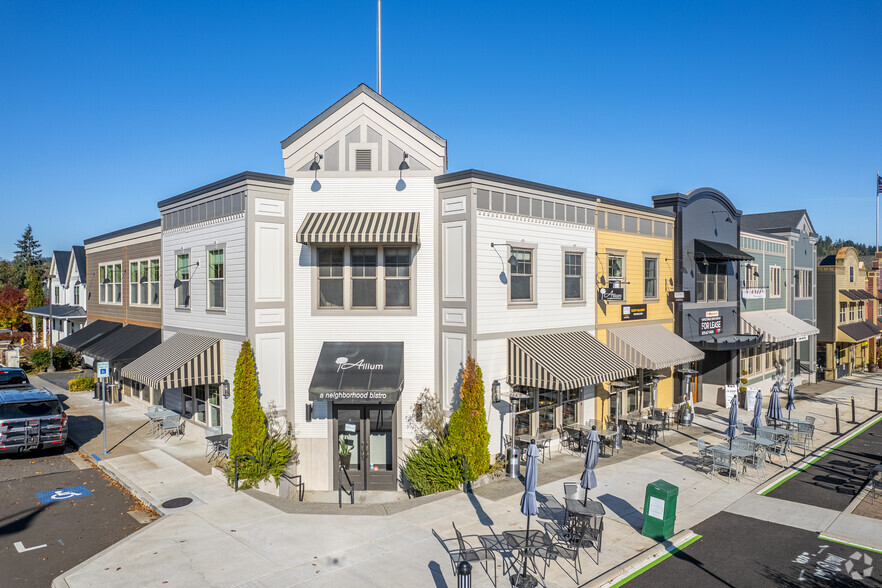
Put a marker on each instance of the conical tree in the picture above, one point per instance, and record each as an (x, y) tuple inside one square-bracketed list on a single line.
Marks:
[(467, 432), (34, 284), (249, 420)]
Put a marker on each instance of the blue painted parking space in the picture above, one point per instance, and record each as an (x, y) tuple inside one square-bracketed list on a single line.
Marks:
[(62, 494)]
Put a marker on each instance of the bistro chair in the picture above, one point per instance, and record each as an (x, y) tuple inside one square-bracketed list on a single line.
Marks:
[(173, 425), (471, 554), (209, 446), (568, 439), (756, 463), (810, 431), (704, 456), (739, 426), (567, 550), (725, 461), (543, 442), (152, 421), (800, 439)]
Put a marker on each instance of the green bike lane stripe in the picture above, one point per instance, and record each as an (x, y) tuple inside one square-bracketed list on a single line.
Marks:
[(811, 461), (662, 558), (824, 538)]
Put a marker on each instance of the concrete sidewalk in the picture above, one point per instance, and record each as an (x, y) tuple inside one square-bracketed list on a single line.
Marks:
[(232, 539)]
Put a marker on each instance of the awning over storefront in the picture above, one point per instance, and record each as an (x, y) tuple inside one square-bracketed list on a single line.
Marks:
[(729, 342), (125, 344), (652, 347), (860, 331), (857, 295), (775, 325), (715, 251), (181, 360), (89, 335), (358, 372), (360, 227), (563, 361)]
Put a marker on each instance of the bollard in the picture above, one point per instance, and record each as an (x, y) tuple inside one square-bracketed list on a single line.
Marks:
[(837, 419), (877, 400), (464, 575), (854, 420)]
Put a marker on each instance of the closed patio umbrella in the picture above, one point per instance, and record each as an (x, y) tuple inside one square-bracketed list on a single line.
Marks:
[(529, 507), (774, 412), (732, 429), (757, 422), (790, 406), (589, 480)]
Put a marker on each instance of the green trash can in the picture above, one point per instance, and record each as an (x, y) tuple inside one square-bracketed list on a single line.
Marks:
[(660, 510)]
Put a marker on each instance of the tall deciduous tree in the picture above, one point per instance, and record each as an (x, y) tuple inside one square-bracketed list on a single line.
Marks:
[(249, 420), (467, 432), (12, 307)]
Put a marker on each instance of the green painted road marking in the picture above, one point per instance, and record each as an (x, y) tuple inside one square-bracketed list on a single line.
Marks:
[(811, 461), (648, 566), (823, 538)]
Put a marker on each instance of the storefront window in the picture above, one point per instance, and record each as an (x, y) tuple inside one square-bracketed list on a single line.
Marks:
[(548, 400), (543, 411), (200, 404), (568, 409), (188, 401), (214, 405)]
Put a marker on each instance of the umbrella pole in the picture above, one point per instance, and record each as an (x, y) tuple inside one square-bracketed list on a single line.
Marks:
[(585, 498), (526, 551)]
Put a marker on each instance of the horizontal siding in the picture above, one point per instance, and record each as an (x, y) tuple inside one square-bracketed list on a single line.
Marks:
[(124, 312), (231, 234), (416, 331), (493, 313)]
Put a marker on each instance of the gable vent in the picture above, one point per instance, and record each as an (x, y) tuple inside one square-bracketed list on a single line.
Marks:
[(362, 160)]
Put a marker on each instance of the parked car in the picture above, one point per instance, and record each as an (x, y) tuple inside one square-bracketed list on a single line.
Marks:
[(31, 419), (13, 376)]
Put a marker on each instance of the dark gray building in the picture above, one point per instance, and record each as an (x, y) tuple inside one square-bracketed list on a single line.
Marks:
[(801, 279), (706, 278)]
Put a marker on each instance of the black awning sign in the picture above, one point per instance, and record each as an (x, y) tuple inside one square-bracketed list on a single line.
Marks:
[(632, 312), (358, 372), (712, 325)]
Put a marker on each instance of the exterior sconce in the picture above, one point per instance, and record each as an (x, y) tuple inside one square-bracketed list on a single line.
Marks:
[(494, 387), (226, 389), (403, 165), (309, 412)]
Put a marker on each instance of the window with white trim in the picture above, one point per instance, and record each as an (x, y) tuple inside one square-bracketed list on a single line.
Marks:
[(76, 295), (774, 281), (751, 275), (144, 282), (110, 283), (802, 283), (396, 261), (650, 278), (216, 280), (182, 280), (615, 271), (851, 311), (573, 287), (842, 307), (521, 283), (364, 278), (860, 309)]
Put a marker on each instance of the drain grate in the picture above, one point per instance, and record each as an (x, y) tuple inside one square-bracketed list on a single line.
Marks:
[(177, 502)]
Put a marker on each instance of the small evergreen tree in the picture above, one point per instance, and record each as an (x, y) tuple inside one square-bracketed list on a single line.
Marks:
[(467, 432), (28, 253), (249, 420), (34, 285)]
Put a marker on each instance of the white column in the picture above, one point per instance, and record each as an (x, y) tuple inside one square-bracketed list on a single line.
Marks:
[(33, 330)]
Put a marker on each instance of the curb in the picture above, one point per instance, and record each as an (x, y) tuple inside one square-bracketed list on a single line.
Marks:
[(641, 560)]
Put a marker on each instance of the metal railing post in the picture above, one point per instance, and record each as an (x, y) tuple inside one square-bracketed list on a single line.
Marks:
[(837, 419)]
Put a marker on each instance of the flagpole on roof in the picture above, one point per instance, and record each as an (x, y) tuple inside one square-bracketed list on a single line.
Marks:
[(380, 54)]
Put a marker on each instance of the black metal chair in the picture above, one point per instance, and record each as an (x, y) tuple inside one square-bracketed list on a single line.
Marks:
[(471, 554)]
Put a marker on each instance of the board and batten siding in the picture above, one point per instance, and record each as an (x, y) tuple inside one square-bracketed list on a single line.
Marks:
[(229, 233), (150, 316), (415, 329)]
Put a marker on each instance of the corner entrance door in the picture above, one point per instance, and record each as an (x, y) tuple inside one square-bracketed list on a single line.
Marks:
[(368, 431)]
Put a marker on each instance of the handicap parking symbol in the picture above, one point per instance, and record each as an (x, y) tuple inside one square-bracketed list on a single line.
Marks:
[(62, 494)]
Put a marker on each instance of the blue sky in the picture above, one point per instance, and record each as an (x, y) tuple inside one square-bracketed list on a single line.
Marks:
[(108, 108)]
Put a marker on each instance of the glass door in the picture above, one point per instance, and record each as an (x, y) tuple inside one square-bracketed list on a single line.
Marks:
[(380, 448), (368, 434), (349, 444)]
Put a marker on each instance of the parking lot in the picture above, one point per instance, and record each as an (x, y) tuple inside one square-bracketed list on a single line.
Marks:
[(57, 511)]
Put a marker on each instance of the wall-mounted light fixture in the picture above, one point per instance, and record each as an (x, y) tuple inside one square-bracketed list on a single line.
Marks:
[(177, 281), (494, 387), (403, 165), (315, 166), (226, 389), (309, 412), (728, 218), (512, 260)]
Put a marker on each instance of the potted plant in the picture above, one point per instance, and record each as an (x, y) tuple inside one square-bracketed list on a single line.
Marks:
[(345, 455)]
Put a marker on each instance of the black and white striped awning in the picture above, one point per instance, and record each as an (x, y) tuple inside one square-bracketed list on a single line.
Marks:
[(181, 360), (360, 227), (563, 361)]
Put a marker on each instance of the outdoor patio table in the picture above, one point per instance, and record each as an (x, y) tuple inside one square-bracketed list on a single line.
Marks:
[(591, 508), (792, 421), (757, 441), (218, 442), (779, 431), (524, 439), (527, 546), (156, 418)]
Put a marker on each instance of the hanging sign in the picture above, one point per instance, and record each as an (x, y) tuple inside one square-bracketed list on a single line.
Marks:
[(753, 293), (612, 294), (802, 338), (679, 296), (710, 325), (632, 312)]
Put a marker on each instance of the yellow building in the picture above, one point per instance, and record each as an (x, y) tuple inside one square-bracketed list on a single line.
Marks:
[(635, 298)]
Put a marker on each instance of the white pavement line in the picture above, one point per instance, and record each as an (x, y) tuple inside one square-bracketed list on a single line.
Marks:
[(19, 547), (640, 561)]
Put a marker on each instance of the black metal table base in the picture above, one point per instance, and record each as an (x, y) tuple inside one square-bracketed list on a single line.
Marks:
[(523, 581)]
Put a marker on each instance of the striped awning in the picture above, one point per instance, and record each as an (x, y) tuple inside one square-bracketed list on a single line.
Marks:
[(360, 227), (181, 360), (776, 325), (563, 361), (652, 347)]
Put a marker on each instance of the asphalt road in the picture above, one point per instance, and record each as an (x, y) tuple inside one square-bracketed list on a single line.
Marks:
[(741, 552), (40, 541)]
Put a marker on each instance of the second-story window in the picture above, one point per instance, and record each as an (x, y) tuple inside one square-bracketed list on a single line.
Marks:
[(842, 306), (650, 278), (710, 282), (182, 280), (216, 281), (144, 282), (521, 289), (751, 275), (851, 311), (397, 268), (364, 277), (154, 282), (110, 283), (330, 277), (616, 271), (573, 276), (57, 296), (851, 274), (76, 295), (775, 281), (860, 309)]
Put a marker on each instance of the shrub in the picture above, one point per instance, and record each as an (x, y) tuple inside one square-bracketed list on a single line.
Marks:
[(429, 469), (38, 357), (249, 420), (271, 458), (467, 432), (80, 384)]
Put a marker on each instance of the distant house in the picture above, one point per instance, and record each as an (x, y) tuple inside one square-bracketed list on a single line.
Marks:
[(66, 312)]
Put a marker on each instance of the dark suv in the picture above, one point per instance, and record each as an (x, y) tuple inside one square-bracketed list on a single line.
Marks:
[(30, 419), (13, 377)]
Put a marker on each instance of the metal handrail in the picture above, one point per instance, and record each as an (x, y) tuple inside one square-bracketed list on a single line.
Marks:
[(236, 468), (465, 470), (341, 489)]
